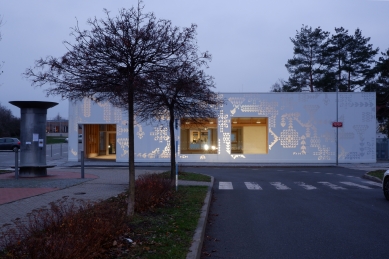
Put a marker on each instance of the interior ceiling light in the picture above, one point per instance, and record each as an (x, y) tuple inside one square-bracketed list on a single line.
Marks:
[(187, 122), (234, 122), (258, 122)]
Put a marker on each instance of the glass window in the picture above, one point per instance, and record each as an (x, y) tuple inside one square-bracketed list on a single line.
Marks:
[(198, 136), (249, 135)]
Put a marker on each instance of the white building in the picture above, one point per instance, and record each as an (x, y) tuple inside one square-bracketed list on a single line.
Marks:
[(249, 128)]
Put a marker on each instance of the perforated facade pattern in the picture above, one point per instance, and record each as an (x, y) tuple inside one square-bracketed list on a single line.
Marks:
[(298, 129)]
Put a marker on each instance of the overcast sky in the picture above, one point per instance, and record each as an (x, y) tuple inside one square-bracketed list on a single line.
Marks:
[(249, 39)]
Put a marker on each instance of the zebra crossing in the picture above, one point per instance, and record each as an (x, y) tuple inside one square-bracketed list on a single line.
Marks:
[(342, 185)]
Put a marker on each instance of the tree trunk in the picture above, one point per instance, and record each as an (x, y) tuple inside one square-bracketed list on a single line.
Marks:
[(172, 146), (131, 152)]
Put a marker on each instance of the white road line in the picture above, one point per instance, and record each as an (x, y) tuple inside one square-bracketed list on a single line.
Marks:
[(306, 186), (332, 186), (316, 172), (225, 186), (351, 176), (280, 186), (373, 183), (356, 185), (341, 174), (329, 173), (252, 186)]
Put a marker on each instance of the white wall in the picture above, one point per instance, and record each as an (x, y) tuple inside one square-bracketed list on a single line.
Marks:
[(299, 129)]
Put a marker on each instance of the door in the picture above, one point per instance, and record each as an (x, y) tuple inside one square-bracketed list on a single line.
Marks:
[(111, 143)]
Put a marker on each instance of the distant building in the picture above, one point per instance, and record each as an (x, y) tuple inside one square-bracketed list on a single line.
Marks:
[(58, 126), (249, 128)]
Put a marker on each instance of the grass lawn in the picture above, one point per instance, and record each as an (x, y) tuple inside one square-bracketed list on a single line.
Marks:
[(377, 173), (55, 140), (167, 232)]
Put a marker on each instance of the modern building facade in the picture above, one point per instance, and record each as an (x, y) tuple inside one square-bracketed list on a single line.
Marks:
[(249, 128)]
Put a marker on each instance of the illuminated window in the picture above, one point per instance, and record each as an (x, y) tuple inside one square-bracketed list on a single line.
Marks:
[(249, 135), (198, 136)]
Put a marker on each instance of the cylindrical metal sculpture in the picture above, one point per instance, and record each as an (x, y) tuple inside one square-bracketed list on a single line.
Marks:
[(33, 137)]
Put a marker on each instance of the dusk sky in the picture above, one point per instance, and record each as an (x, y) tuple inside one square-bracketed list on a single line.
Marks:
[(249, 40)]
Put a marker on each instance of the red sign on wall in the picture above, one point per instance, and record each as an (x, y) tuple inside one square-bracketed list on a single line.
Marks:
[(337, 124)]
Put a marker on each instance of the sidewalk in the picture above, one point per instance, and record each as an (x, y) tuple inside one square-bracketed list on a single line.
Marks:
[(18, 197)]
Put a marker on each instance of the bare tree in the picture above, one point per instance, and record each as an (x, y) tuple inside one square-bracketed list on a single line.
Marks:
[(109, 61), (183, 91), (10, 125)]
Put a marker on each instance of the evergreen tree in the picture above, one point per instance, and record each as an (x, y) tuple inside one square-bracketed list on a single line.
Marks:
[(351, 58), (381, 86), (308, 65)]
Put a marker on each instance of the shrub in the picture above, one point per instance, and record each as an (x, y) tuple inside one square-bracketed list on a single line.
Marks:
[(67, 229), (152, 191)]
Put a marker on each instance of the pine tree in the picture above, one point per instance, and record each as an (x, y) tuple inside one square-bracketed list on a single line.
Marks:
[(308, 65), (352, 58)]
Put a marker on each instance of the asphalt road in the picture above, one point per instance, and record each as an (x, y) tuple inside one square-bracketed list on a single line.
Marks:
[(296, 212)]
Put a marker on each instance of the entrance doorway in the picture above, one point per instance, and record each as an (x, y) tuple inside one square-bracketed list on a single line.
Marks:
[(100, 141)]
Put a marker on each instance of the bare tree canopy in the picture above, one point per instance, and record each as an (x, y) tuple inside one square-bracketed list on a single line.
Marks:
[(183, 91), (109, 62), (10, 125)]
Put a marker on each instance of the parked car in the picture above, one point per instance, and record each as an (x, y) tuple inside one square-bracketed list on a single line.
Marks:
[(385, 184), (79, 138), (9, 144)]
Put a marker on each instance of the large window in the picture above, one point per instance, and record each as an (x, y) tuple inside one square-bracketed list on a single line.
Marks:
[(198, 136), (249, 135)]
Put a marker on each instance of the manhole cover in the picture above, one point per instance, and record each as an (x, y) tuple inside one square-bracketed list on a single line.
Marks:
[(79, 193)]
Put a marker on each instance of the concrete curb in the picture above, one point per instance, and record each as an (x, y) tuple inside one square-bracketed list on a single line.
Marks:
[(198, 237), (372, 178)]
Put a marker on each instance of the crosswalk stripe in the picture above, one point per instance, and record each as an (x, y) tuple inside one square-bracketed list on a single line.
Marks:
[(280, 186), (225, 186), (356, 185), (252, 186), (306, 186), (332, 186), (373, 183)]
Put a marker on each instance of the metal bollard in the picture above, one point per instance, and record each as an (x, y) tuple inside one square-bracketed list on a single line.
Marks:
[(82, 165), (51, 150), (16, 164)]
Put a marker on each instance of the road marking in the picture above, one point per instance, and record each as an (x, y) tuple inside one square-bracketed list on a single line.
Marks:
[(329, 173), (356, 185), (225, 186), (316, 172), (306, 186), (341, 174), (304, 171), (252, 186), (373, 183), (332, 186), (280, 186)]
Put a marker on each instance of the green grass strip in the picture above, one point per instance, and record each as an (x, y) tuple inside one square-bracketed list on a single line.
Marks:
[(377, 173), (168, 232)]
